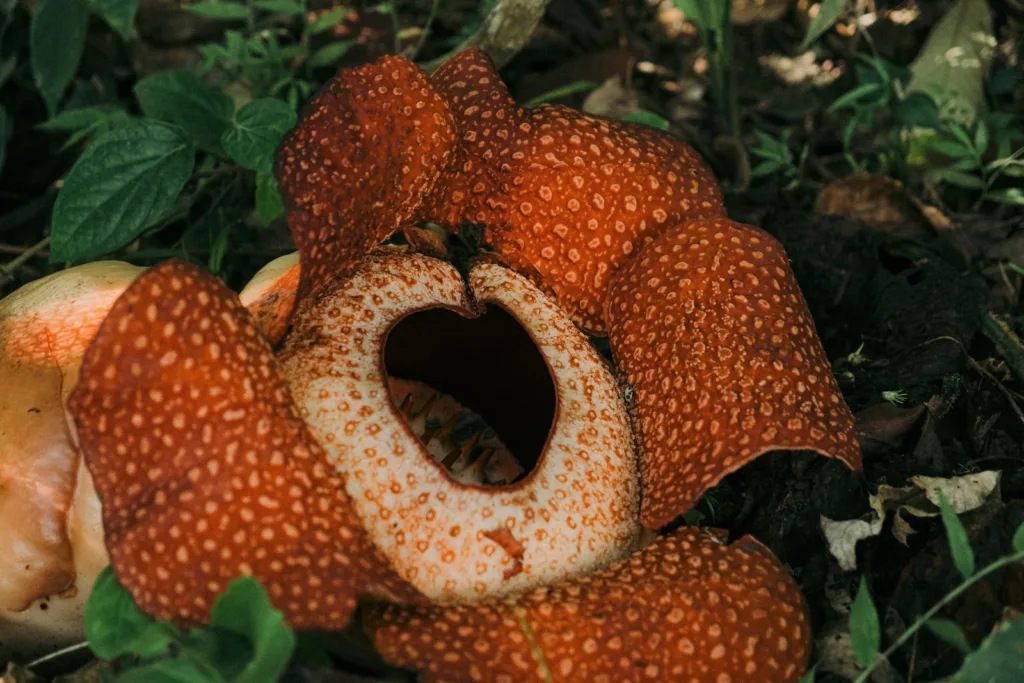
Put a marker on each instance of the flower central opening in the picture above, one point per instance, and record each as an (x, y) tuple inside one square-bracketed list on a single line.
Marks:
[(475, 391)]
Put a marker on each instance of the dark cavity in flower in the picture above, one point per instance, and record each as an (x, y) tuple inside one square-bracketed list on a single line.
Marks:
[(475, 391)]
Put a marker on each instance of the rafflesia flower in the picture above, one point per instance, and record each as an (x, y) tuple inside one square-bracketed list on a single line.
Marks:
[(51, 532), (448, 443)]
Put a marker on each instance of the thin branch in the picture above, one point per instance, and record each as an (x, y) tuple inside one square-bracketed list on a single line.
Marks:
[(936, 608), (503, 32), (7, 270), (426, 29), (20, 249)]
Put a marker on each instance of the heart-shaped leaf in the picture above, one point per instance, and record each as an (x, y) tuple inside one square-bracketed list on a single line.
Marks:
[(245, 610), (182, 98), (256, 131), (114, 626), (120, 14), (123, 183)]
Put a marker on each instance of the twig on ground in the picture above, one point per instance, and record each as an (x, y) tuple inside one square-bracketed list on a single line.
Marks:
[(7, 270), (503, 32)]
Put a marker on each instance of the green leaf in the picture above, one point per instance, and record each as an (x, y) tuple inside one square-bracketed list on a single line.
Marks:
[(981, 138), (326, 21), (114, 626), (182, 98), (79, 118), (7, 67), (56, 42), (330, 53), (707, 15), (1018, 539), (281, 6), (269, 204), (256, 131), (919, 109), (766, 167), (1014, 171), (647, 118), (999, 659), (865, 632), (220, 10), (564, 91), (120, 14), (852, 97), (970, 164), (959, 179), (808, 676), (961, 134), (954, 61), (951, 148), (122, 184), (245, 610), (697, 12), (959, 544), (1011, 195), (1003, 81), (949, 631), (828, 14), (83, 122), (219, 248)]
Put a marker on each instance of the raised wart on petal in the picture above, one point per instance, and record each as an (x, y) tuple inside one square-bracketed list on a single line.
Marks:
[(205, 470), (710, 329), (687, 608)]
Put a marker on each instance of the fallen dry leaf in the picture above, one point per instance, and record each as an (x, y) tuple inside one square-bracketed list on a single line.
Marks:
[(882, 202), (426, 241), (758, 11), (964, 493), (843, 536), (920, 499), (613, 99), (886, 423), (802, 70)]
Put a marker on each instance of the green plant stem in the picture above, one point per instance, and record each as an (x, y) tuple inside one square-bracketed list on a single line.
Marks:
[(718, 43), (725, 95), (936, 608), (250, 21), (1006, 340), (502, 33), (12, 265), (394, 26), (426, 29)]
